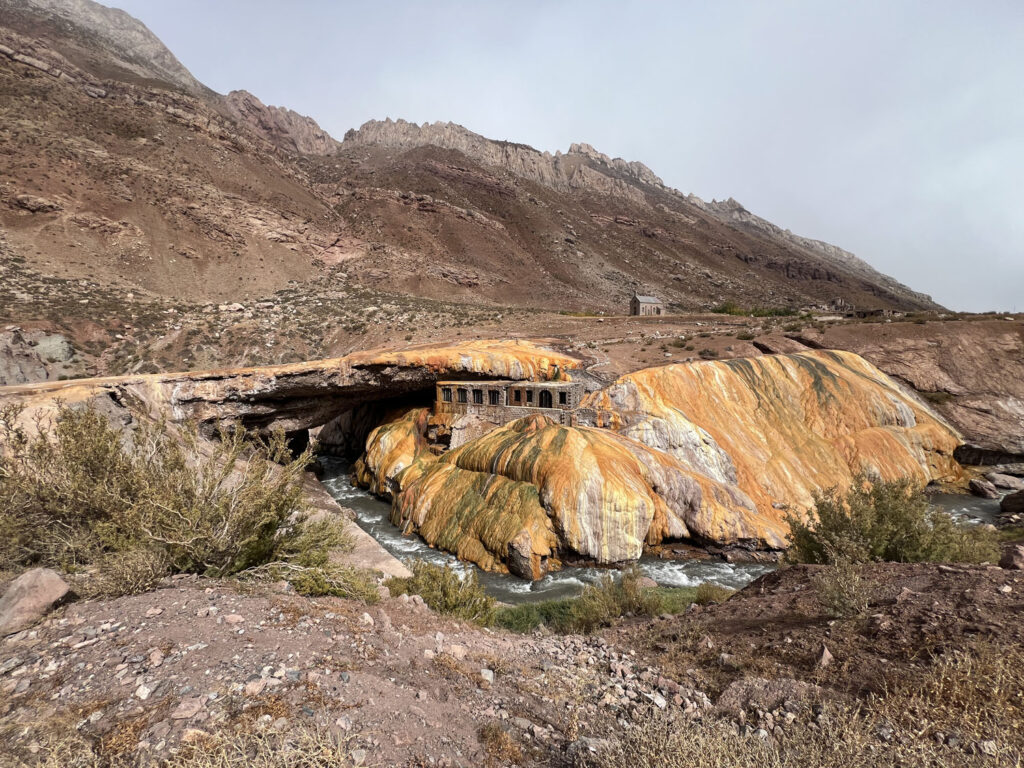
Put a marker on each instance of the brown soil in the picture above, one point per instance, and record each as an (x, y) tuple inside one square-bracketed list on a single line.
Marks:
[(777, 627)]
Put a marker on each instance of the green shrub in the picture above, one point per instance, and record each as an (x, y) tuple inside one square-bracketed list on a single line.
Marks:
[(884, 521), (130, 507), (526, 617), (599, 604), (707, 593), (842, 589), (445, 591), (773, 312), (729, 308)]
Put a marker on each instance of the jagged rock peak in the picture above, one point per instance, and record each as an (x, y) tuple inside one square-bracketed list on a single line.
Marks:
[(635, 169), (284, 128), (558, 170), (130, 42)]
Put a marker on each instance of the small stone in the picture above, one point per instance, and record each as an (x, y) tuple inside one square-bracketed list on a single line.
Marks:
[(143, 692), (457, 651), (234, 618), (156, 658), (358, 756), (988, 748), (255, 687), (1013, 558), (366, 619), (826, 657), (151, 612), (487, 675), (188, 708)]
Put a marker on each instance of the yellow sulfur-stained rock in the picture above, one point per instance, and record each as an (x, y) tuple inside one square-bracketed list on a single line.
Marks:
[(713, 451), (391, 448), (782, 426), (487, 519)]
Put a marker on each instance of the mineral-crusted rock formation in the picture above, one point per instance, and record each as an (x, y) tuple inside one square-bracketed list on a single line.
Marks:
[(786, 425), (609, 494), (713, 451), (303, 395), (971, 372), (484, 518), (500, 499), (391, 448)]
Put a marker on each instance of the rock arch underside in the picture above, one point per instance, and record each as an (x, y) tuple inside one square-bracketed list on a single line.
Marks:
[(713, 451)]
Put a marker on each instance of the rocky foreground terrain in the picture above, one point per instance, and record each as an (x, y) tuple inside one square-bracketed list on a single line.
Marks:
[(143, 676)]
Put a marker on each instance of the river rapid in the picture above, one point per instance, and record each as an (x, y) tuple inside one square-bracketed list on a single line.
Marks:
[(372, 515)]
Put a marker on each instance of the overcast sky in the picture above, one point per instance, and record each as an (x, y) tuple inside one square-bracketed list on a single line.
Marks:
[(892, 129)]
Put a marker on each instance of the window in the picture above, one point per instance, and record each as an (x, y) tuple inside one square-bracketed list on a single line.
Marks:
[(529, 395), (493, 394), (518, 396), (446, 394), (478, 396), (545, 398), (462, 396), (563, 398)]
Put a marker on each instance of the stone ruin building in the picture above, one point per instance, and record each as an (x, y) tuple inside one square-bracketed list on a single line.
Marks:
[(646, 305), (501, 401)]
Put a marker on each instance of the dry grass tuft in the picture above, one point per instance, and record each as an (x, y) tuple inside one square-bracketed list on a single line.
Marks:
[(965, 709), (501, 747)]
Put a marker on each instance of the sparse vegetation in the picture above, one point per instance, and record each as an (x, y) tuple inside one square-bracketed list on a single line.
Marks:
[(501, 748), (843, 589), (240, 747), (732, 308), (446, 591), (973, 693), (122, 511), (709, 592), (884, 521)]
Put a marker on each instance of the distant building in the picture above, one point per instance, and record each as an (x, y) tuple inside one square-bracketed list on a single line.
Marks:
[(645, 305)]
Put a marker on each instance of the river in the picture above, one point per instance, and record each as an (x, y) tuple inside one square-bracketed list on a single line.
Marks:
[(372, 515)]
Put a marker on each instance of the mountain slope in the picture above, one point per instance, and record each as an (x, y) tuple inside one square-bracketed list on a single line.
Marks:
[(121, 170)]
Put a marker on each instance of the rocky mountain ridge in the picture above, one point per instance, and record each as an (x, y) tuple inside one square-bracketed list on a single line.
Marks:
[(282, 127), (104, 36), (585, 169)]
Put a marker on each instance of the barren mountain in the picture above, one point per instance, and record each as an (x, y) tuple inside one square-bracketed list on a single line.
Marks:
[(120, 168)]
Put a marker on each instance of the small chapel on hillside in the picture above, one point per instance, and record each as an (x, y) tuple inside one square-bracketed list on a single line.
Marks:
[(645, 305)]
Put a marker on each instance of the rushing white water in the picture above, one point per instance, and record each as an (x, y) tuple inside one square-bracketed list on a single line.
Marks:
[(372, 515)]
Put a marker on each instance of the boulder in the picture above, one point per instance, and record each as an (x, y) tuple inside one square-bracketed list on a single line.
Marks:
[(1013, 558), (983, 488), (29, 598), (1006, 482), (1012, 504)]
